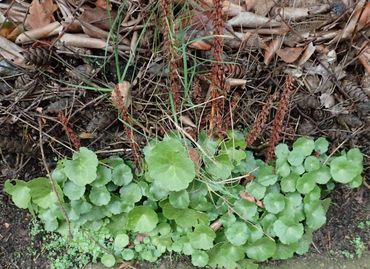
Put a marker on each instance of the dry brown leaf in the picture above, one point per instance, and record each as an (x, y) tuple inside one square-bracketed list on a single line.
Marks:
[(353, 24), (307, 53), (194, 156), (364, 58), (364, 20), (251, 20), (200, 45), (6, 28), (296, 13), (250, 4), (51, 29), (250, 198), (121, 95), (103, 4), (271, 49), (98, 17), (289, 55), (40, 13)]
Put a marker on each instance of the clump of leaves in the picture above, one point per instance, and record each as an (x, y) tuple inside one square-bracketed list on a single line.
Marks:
[(200, 209)]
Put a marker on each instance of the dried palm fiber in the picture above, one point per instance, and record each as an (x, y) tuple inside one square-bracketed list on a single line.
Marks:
[(279, 117), (217, 74), (172, 58), (261, 119)]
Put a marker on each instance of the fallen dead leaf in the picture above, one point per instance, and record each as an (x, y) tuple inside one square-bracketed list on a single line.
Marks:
[(194, 156), (40, 13), (200, 45), (271, 49), (289, 55), (121, 95), (103, 4)]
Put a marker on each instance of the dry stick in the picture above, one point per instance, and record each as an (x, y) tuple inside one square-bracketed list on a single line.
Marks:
[(52, 182), (279, 117)]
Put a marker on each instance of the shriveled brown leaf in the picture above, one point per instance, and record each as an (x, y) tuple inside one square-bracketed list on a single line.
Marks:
[(364, 58), (6, 28), (364, 20), (250, 198), (40, 13), (289, 55), (250, 4), (271, 49), (194, 156), (103, 4), (307, 53), (200, 45), (121, 95), (251, 20), (98, 17)]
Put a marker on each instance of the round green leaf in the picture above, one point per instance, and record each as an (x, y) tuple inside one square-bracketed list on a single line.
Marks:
[(304, 145), (202, 237), (245, 209), (142, 219), (322, 175), (343, 170), (103, 176), (122, 175), (288, 184), (131, 193), (199, 258), (58, 175), (288, 230), (356, 182), (82, 168), (73, 191), (299, 169), (315, 214), (225, 255), (256, 190), (282, 151), (255, 233), (99, 196), (266, 176), (283, 169), (284, 252), (220, 167), (274, 202), (42, 192), (305, 242), (108, 260), (293, 206), (295, 157), (311, 163), (267, 224), (306, 183), (120, 241), (261, 249), (20, 193), (321, 145), (179, 199), (170, 166), (128, 254), (355, 155), (237, 233)]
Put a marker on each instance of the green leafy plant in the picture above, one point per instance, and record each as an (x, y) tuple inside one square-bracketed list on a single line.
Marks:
[(201, 209)]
